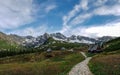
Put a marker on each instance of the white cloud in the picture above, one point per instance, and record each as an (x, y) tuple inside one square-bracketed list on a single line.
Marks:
[(84, 4), (37, 31), (75, 17), (17, 13), (14, 13), (77, 8), (108, 10), (50, 7), (109, 29), (65, 30), (80, 19), (103, 10), (45, 7), (100, 2)]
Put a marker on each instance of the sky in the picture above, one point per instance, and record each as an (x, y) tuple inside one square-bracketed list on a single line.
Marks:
[(93, 18)]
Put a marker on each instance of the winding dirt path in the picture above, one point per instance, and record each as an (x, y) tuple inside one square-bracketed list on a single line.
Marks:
[(81, 68)]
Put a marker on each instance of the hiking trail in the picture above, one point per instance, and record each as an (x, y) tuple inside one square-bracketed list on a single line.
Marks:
[(82, 67)]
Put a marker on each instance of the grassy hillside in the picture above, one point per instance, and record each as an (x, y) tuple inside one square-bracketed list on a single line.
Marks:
[(8, 49), (112, 45), (54, 63), (7, 42), (6, 45), (108, 62)]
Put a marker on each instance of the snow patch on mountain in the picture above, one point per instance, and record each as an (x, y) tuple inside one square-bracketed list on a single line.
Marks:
[(36, 42)]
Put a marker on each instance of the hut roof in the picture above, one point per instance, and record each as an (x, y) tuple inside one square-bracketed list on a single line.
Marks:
[(49, 50)]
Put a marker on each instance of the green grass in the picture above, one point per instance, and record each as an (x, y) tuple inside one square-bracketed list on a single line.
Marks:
[(112, 45), (106, 64), (5, 45), (60, 63)]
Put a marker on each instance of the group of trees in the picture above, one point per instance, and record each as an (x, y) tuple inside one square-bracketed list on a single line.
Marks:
[(17, 51), (10, 50)]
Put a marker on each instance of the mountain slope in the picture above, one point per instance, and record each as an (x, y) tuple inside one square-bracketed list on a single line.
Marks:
[(59, 45), (107, 63), (112, 45), (13, 39), (7, 42)]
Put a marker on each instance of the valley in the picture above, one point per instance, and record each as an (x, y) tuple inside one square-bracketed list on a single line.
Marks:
[(59, 37), (56, 54)]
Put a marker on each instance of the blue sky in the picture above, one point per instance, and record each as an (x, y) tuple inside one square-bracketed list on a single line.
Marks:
[(71, 17)]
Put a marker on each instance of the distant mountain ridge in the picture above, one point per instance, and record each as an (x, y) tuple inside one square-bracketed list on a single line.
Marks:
[(60, 37), (37, 41)]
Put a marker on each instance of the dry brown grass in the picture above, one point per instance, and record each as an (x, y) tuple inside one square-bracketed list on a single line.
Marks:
[(33, 57), (108, 58), (38, 64), (105, 64)]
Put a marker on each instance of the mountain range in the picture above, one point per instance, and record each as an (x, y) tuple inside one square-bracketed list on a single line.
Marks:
[(37, 41)]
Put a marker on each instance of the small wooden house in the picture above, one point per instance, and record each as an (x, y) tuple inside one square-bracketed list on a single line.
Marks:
[(96, 48), (71, 50), (49, 50), (63, 48)]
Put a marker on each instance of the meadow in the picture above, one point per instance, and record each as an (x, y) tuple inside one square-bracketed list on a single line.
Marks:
[(44, 63), (106, 63)]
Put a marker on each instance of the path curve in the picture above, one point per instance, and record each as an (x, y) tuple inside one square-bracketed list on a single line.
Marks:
[(82, 67)]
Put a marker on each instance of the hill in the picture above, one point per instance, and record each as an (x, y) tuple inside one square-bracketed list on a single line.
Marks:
[(7, 42), (10, 44), (112, 45), (107, 63)]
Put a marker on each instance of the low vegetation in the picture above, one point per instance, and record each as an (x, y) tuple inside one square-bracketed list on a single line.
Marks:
[(106, 64), (9, 49), (112, 45), (4, 45), (45, 63)]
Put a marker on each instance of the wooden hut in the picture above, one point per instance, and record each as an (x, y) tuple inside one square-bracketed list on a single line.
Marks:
[(96, 48)]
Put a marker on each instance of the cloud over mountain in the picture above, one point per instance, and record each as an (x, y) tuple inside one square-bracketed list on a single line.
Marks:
[(83, 17), (74, 21)]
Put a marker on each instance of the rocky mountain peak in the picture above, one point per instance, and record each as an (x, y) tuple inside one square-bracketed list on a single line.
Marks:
[(37, 41), (58, 35), (46, 35)]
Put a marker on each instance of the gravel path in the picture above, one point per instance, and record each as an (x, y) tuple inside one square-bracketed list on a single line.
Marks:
[(81, 68)]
